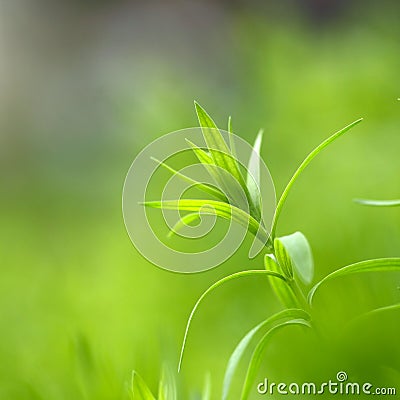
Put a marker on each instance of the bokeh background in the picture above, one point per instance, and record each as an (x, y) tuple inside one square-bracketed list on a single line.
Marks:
[(86, 85)]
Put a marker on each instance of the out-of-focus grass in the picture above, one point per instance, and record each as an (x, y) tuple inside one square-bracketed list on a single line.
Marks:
[(79, 308)]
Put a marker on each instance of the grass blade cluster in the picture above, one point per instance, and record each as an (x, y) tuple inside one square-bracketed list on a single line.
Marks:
[(237, 355)]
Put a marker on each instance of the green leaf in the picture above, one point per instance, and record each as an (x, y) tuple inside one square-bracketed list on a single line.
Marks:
[(214, 286), (185, 220), (218, 208), (300, 254), (167, 387), (281, 289), (221, 154), (207, 388), (201, 154), (283, 258), (376, 265), (378, 203), (231, 138), (253, 174), (302, 167), (205, 187), (376, 311), (258, 354), (140, 391), (237, 355)]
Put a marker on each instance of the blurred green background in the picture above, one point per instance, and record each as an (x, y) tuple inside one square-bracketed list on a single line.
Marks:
[(86, 85)]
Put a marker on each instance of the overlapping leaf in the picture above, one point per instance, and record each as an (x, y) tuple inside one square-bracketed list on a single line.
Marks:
[(237, 355), (140, 391), (223, 210), (295, 252), (257, 355)]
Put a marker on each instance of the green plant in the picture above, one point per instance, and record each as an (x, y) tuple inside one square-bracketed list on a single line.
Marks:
[(288, 260), (378, 203), (167, 389)]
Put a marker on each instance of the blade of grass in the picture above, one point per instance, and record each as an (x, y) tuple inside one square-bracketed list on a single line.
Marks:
[(253, 174), (258, 353), (376, 311), (302, 167), (167, 386), (222, 281), (207, 388), (216, 144), (214, 171), (231, 138), (222, 210), (378, 203), (240, 349), (140, 391), (201, 154), (185, 220), (220, 153), (380, 264), (205, 187)]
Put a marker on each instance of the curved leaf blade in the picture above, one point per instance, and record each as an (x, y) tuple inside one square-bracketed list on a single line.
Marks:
[(140, 391), (376, 311), (378, 203), (206, 395), (253, 173), (185, 220), (223, 210), (376, 265), (205, 187), (214, 286), (235, 358), (299, 251), (222, 155), (258, 353), (167, 386), (302, 167)]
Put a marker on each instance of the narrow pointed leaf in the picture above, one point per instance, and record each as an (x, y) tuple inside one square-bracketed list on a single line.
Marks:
[(376, 311), (281, 289), (299, 251), (222, 210), (205, 187), (201, 154), (283, 258), (207, 388), (218, 148), (231, 138), (237, 355), (167, 387), (253, 173), (302, 167), (140, 391), (185, 220), (222, 281), (376, 265), (259, 351), (378, 203)]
